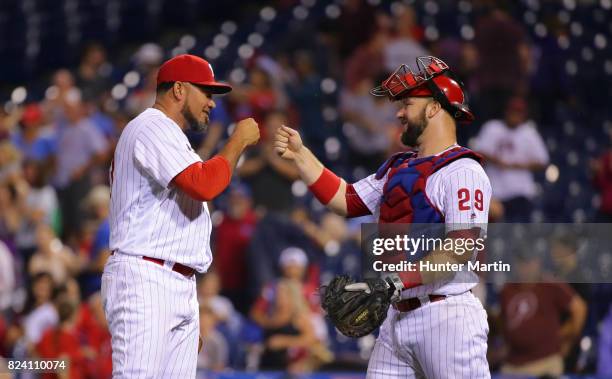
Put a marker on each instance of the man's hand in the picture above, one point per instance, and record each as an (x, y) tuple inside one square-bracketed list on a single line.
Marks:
[(246, 132), (287, 142), (392, 284)]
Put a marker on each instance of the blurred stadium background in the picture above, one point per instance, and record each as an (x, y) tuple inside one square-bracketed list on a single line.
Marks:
[(74, 72)]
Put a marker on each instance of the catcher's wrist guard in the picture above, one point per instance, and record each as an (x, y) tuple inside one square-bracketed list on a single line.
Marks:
[(326, 186), (395, 287)]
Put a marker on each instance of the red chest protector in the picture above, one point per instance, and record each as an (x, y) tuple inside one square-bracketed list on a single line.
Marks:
[(404, 199)]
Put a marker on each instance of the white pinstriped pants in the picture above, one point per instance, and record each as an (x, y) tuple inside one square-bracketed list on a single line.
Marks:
[(153, 318), (439, 340)]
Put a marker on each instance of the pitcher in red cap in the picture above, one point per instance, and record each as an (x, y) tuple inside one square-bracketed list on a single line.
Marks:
[(434, 326), (160, 225)]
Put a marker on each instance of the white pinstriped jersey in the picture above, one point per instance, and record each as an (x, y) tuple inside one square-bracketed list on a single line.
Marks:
[(147, 215), (452, 190)]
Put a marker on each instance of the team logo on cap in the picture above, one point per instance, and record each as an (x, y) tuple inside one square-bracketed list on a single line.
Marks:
[(211, 70)]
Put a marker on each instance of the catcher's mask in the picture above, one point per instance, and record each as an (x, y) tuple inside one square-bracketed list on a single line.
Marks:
[(433, 79)]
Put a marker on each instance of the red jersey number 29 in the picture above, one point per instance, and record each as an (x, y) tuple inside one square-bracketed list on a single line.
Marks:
[(464, 199)]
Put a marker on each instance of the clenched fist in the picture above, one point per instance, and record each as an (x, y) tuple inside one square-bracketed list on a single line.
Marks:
[(287, 142), (246, 131)]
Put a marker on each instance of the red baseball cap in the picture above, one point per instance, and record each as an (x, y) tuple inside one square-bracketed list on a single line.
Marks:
[(192, 69), (32, 114)]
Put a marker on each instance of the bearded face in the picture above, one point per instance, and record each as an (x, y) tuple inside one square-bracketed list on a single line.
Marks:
[(195, 124), (413, 127)]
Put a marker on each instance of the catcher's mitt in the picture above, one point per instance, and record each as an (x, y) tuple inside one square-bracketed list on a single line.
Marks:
[(359, 309)]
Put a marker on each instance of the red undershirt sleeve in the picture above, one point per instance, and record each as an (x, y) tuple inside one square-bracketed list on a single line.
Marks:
[(203, 181), (355, 207)]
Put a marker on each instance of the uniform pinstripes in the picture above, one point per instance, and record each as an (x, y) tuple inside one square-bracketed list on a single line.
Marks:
[(445, 339), (147, 217), (437, 341), (157, 335), (152, 311)]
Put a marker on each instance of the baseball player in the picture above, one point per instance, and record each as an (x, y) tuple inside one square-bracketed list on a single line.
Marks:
[(160, 225), (435, 327)]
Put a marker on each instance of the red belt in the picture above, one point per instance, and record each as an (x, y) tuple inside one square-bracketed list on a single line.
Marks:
[(413, 303), (177, 267)]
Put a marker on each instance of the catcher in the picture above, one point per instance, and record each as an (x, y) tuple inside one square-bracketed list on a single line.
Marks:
[(432, 325)]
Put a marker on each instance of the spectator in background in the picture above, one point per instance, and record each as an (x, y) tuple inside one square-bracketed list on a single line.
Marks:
[(288, 312), (208, 295), (330, 233), (10, 214), (278, 73), (231, 239), (94, 71), (403, 47), (566, 265), (305, 94), (147, 60), (61, 91), (568, 269), (367, 61), (502, 47), (513, 150), (7, 279), (8, 121), (355, 24), (604, 348), (53, 257), (602, 178), (39, 312), (97, 205), (143, 97), (257, 98), (273, 233), (33, 139), (541, 321), (38, 204), (10, 162), (269, 176), (101, 118), (368, 120), (148, 57), (63, 342), (81, 147), (3, 338), (92, 330), (215, 351)]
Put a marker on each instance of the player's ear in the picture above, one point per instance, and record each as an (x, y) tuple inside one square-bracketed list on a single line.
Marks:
[(178, 90), (432, 108)]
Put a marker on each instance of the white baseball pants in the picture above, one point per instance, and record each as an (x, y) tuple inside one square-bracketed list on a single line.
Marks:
[(439, 340), (153, 318)]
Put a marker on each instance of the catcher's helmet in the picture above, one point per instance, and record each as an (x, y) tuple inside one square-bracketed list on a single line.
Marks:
[(434, 79)]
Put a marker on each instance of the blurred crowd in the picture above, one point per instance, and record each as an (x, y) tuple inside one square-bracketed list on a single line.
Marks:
[(273, 244)]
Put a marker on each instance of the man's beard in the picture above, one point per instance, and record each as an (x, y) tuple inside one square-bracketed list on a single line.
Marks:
[(192, 122), (414, 129)]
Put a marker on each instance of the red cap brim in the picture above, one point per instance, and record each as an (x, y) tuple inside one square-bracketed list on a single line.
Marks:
[(216, 88)]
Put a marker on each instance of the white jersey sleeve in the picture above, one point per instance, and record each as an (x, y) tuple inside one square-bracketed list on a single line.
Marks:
[(462, 192), (370, 191), (163, 151)]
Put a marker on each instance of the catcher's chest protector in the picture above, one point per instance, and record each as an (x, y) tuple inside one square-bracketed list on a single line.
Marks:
[(404, 198)]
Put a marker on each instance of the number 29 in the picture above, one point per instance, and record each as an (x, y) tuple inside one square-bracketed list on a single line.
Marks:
[(464, 199)]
